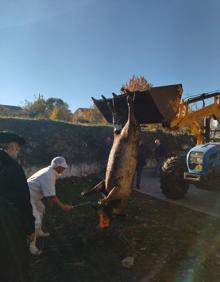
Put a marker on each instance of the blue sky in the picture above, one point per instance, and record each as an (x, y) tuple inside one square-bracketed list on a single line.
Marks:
[(77, 49)]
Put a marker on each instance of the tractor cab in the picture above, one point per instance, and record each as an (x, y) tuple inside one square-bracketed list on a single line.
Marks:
[(203, 165)]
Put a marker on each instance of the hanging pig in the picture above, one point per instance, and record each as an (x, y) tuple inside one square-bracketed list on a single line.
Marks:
[(122, 161)]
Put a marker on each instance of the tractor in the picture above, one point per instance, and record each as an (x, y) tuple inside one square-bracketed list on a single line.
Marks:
[(201, 165), (199, 114)]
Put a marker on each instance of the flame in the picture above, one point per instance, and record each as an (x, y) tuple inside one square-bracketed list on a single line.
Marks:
[(104, 221)]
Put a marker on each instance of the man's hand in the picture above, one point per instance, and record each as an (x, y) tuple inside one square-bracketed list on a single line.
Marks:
[(82, 194), (60, 204), (67, 208)]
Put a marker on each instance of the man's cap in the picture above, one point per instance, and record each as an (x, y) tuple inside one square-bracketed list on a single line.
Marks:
[(59, 161), (10, 136)]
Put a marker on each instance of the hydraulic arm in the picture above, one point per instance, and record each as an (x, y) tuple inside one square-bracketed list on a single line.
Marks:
[(194, 119)]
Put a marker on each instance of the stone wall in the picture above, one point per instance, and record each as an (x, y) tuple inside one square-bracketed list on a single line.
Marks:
[(82, 146)]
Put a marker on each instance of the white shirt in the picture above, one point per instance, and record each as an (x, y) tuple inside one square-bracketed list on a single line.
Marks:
[(42, 183)]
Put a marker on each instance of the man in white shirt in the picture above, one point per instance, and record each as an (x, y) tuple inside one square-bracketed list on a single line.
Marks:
[(42, 185)]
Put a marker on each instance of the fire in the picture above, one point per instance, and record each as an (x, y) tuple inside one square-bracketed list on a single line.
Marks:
[(104, 221)]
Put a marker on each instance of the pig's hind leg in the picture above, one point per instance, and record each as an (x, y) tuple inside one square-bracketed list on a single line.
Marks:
[(112, 195), (100, 187)]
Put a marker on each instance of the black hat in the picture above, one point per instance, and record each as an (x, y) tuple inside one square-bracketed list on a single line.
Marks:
[(9, 136)]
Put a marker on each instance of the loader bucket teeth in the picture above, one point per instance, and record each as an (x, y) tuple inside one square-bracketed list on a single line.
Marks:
[(157, 105)]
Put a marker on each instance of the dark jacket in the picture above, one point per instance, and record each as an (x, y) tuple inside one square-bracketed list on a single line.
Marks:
[(141, 156), (159, 152), (14, 188), (14, 254)]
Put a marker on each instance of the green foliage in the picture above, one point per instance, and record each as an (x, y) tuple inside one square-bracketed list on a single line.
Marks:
[(53, 108), (52, 103), (61, 113), (36, 109)]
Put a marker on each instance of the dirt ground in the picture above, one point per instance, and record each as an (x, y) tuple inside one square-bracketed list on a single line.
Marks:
[(165, 242)]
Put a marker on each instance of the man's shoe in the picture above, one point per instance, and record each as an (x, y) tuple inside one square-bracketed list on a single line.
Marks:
[(34, 250), (41, 233)]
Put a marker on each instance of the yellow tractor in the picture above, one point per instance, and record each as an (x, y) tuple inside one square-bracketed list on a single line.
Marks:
[(201, 165), (164, 105)]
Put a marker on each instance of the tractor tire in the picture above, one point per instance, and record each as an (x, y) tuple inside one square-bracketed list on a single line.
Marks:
[(172, 181)]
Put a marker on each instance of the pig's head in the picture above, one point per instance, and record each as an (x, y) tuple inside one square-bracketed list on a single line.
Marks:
[(108, 212)]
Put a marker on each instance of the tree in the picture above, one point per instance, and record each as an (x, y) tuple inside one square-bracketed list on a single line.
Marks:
[(135, 83), (54, 108), (37, 109), (61, 113), (52, 103)]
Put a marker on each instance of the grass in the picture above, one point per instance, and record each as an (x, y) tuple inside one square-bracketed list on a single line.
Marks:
[(168, 242)]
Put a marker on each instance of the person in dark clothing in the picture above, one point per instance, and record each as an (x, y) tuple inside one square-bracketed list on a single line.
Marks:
[(14, 254), (16, 219), (141, 162), (13, 184), (159, 154)]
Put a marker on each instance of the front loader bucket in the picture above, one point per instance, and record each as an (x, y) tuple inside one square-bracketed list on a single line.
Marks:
[(156, 105)]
